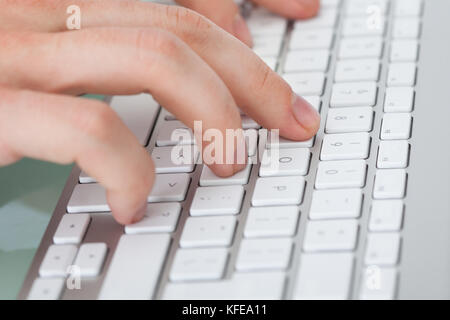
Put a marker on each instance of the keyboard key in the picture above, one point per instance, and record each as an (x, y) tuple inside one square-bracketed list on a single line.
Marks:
[(90, 259), (354, 94), (393, 154), (406, 28), (208, 178), (71, 228), (341, 174), (221, 200), (357, 70), (308, 83), (249, 123), (344, 120), (336, 204), (345, 146), (378, 284), (278, 191), (360, 47), (174, 132), (267, 45), (242, 286), (85, 178), (396, 126), (325, 18), (46, 289), (307, 61), (285, 162), (251, 140), (199, 264), (208, 232), (402, 74), (169, 187), (271, 222), (316, 280), (366, 7), (399, 99), (158, 218), (283, 143), (138, 112), (390, 184), (264, 23), (88, 198), (382, 249), (353, 27), (386, 215), (408, 8), (264, 254), (332, 235), (404, 51), (135, 267), (330, 3), (311, 39), (57, 259), (176, 159)]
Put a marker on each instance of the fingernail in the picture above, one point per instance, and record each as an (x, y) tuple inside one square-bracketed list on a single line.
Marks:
[(140, 213), (305, 114), (241, 31)]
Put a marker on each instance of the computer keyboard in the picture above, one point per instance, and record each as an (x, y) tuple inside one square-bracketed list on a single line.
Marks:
[(325, 224)]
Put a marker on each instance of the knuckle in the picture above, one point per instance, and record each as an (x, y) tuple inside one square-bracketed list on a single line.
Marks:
[(156, 40), (193, 26), (96, 120)]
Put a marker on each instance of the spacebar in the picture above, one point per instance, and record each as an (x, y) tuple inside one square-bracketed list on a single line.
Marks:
[(135, 268)]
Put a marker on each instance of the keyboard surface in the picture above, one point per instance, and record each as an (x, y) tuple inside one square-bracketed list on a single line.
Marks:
[(325, 224)]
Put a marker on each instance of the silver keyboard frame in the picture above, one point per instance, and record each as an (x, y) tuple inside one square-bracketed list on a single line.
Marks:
[(425, 254)]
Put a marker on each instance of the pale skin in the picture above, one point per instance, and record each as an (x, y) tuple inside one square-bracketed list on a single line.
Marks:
[(196, 69)]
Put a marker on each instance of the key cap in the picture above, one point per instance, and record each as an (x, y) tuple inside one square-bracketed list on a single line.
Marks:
[(285, 162), (309, 83), (366, 7), (390, 184), (341, 174), (404, 51), (264, 254), (354, 94), (278, 191), (349, 120), (267, 45), (88, 198), (249, 123), (271, 222), (176, 159), (386, 215), (199, 264), (408, 8), (208, 232), (357, 70), (169, 187), (158, 218), (223, 200), (316, 280), (242, 286), (399, 99), (345, 146), (382, 249), (311, 39), (325, 18), (135, 267), (393, 154), (307, 61), (330, 3), (90, 259), (208, 178), (71, 228), (357, 26), (406, 28), (85, 178), (174, 132), (57, 259), (378, 283), (46, 289), (263, 23), (251, 141), (332, 235), (138, 112), (402, 74), (284, 143), (396, 126), (360, 47), (336, 204)]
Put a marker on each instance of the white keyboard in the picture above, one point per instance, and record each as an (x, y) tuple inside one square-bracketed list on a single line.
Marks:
[(325, 224)]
